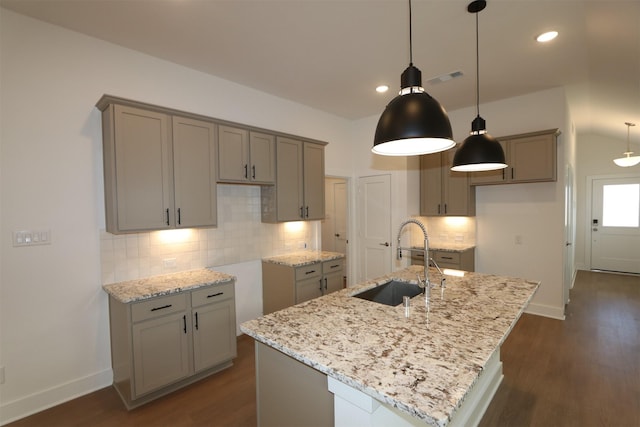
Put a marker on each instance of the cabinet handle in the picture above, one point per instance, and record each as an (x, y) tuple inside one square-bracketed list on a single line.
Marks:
[(301, 211), (445, 208), (310, 271), (179, 218), (253, 171), (335, 266), (167, 216), (307, 211), (503, 174), (215, 295), (438, 208), (246, 174), (446, 257), (325, 284), (512, 173), (321, 291), (196, 320), (184, 320), (161, 308)]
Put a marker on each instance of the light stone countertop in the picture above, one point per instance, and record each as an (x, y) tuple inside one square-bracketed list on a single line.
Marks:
[(423, 365), (298, 259), (150, 287)]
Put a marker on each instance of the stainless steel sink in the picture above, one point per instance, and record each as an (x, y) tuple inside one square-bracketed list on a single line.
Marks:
[(390, 293)]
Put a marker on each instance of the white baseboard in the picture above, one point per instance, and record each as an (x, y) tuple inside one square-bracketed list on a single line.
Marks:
[(36, 402), (546, 311)]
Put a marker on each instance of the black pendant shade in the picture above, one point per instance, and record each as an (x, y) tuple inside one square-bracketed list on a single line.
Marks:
[(480, 151), (413, 123)]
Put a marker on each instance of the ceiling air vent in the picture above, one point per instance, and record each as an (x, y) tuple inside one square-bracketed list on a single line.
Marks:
[(445, 77)]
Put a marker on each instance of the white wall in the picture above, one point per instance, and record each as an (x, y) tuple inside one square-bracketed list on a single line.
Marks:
[(595, 158), (55, 341), (534, 211)]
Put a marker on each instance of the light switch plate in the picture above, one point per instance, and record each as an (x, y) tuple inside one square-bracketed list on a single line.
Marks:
[(31, 237)]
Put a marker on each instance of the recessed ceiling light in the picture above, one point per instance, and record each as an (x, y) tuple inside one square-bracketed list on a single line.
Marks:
[(547, 37), (382, 88)]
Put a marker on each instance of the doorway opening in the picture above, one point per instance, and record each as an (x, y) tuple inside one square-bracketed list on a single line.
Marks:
[(335, 225), (615, 224)]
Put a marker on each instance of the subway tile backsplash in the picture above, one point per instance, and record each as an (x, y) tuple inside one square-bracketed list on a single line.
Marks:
[(446, 230), (240, 236)]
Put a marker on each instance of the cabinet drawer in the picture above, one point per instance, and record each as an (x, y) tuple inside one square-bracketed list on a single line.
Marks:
[(333, 265), (308, 271), (157, 307), (212, 294), (446, 257)]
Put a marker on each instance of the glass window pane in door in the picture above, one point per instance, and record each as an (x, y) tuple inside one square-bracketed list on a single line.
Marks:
[(621, 205)]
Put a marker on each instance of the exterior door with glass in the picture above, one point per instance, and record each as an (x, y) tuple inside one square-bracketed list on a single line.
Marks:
[(615, 224)]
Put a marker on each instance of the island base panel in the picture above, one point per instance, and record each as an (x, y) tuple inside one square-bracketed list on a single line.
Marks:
[(290, 393)]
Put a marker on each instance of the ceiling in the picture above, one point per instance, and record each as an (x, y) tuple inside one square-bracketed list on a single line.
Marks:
[(331, 54)]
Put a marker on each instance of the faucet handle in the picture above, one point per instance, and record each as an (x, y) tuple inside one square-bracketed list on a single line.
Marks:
[(421, 283)]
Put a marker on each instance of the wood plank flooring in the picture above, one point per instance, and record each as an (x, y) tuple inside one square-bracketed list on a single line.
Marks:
[(584, 371)]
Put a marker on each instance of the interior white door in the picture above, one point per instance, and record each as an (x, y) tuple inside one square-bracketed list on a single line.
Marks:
[(615, 224), (340, 216), (374, 225)]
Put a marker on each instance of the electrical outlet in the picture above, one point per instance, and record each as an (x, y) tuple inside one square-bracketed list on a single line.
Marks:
[(169, 262)]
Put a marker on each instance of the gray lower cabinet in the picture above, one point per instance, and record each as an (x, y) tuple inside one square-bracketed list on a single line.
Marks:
[(285, 285), (161, 344), (457, 260)]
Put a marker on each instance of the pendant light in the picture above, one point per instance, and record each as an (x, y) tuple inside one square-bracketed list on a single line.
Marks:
[(480, 151), (413, 123), (628, 160)]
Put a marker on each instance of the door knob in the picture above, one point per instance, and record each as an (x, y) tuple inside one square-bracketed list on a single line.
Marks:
[(384, 244)]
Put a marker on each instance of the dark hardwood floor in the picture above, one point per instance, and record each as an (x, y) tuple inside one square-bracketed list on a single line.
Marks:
[(583, 371)]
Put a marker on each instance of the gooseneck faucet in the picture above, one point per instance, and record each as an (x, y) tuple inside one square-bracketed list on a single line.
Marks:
[(426, 284), (425, 250)]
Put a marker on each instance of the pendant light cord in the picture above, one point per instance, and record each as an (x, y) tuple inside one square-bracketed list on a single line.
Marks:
[(410, 37), (629, 128), (477, 68)]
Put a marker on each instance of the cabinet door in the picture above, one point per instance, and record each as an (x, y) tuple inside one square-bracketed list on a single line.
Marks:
[(194, 153), (332, 282), (313, 181), (308, 289), (143, 182), (214, 334), (458, 196), (431, 185), (233, 154), (289, 193), (160, 352), (262, 153), (533, 158), (495, 176)]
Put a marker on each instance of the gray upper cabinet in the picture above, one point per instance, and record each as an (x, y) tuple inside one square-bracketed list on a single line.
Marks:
[(531, 157), (194, 160), (245, 156), (159, 170), (299, 191), (444, 192)]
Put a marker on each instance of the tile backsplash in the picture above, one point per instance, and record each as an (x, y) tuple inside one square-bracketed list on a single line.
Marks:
[(240, 236), (446, 230)]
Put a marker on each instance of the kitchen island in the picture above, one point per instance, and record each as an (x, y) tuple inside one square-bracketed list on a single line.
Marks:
[(379, 366)]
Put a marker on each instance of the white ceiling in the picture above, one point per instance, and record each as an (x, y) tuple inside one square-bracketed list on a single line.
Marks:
[(331, 54)]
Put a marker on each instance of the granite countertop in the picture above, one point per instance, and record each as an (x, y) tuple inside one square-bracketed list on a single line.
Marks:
[(140, 289), (298, 259), (423, 365)]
